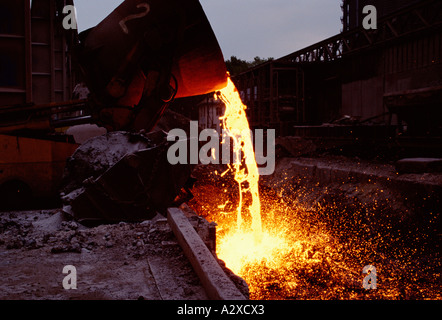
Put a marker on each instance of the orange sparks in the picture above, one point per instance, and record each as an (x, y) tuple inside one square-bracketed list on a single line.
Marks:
[(291, 253)]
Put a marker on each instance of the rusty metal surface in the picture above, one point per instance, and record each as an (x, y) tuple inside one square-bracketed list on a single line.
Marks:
[(144, 54)]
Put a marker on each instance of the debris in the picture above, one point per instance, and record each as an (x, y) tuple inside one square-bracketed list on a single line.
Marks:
[(109, 244), (128, 178), (111, 262)]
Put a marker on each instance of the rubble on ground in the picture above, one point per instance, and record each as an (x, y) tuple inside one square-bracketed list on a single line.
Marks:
[(45, 240), (122, 176)]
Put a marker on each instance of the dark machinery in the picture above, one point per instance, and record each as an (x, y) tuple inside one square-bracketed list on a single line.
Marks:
[(135, 62), (145, 54)]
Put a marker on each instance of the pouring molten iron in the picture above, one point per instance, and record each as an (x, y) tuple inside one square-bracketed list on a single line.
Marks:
[(135, 62), (244, 244)]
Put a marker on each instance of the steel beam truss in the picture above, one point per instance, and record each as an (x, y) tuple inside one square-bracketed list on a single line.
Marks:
[(411, 20)]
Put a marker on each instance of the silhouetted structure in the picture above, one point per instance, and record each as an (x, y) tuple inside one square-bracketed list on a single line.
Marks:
[(360, 83), (35, 52)]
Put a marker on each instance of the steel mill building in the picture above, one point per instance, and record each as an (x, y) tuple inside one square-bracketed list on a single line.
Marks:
[(383, 83)]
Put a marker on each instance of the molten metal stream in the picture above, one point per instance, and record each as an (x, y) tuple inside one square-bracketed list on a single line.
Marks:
[(246, 243), (236, 125)]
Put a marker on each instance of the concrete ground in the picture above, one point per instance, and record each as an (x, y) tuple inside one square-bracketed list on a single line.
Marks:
[(121, 261)]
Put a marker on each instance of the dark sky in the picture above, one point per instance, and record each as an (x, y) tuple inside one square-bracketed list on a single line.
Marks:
[(249, 28)]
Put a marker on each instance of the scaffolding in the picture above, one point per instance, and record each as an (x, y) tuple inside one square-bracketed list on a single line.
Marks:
[(35, 60), (273, 92)]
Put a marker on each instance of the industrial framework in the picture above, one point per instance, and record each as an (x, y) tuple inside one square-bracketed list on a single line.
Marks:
[(389, 77), (408, 21), (35, 53)]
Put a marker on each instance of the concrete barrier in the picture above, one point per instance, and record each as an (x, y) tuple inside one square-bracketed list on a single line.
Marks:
[(217, 284)]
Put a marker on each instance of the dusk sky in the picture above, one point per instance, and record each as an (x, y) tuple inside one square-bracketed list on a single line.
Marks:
[(249, 28)]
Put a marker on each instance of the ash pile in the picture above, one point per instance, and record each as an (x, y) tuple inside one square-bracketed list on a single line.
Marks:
[(122, 176)]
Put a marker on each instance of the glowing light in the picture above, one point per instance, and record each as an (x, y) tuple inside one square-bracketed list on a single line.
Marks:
[(236, 125), (281, 245), (257, 250), (240, 248)]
